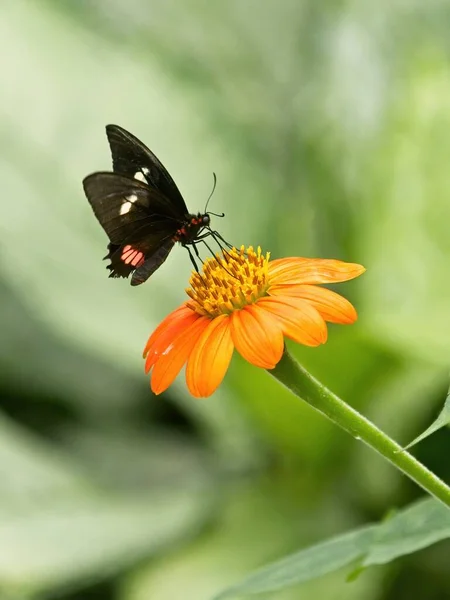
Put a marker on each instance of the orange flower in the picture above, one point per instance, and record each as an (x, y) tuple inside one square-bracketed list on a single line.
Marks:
[(242, 300)]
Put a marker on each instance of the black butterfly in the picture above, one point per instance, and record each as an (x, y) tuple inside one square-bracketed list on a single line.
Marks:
[(141, 210)]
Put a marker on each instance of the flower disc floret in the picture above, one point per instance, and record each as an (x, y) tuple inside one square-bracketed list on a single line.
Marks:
[(228, 282)]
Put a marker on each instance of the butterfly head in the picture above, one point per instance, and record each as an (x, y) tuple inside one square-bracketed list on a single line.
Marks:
[(191, 228), (199, 221)]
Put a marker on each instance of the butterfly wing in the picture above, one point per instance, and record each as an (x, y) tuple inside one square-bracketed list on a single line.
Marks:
[(132, 158), (127, 208), (138, 220)]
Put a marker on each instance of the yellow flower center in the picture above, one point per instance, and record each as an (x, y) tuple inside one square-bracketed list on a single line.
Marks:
[(229, 282)]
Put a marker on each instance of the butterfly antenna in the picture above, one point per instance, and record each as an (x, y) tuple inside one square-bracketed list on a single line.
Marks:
[(212, 192)]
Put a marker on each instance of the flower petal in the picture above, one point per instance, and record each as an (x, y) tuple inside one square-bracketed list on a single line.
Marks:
[(300, 321), (170, 362), (257, 336), (333, 307), (166, 331), (209, 360), (312, 271)]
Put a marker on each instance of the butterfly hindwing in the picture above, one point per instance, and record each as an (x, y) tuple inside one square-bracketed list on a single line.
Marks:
[(152, 263), (138, 258), (132, 158), (118, 267)]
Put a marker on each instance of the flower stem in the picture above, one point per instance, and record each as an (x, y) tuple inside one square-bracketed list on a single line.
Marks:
[(291, 374)]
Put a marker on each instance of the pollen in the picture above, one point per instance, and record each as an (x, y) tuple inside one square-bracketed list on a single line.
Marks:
[(229, 281)]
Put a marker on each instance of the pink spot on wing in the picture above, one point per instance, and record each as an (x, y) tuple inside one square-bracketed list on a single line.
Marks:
[(131, 256), (138, 260), (127, 252)]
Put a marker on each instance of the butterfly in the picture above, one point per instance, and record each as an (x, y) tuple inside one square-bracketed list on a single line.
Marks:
[(141, 210)]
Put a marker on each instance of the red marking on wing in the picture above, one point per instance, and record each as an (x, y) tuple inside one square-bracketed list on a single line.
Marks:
[(138, 260), (131, 256)]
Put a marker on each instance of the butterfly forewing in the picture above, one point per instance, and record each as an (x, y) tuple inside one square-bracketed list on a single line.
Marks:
[(127, 209), (131, 157)]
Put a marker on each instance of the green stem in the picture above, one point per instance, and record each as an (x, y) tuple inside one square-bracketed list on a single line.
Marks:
[(291, 374)]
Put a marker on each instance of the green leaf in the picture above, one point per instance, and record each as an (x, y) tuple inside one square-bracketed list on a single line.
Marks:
[(442, 420), (305, 565), (411, 529)]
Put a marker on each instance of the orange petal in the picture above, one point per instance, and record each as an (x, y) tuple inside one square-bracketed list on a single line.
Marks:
[(169, 364), (257, 336), (331, 306), (300, 321), (174, 315), (312, 271), (210, 358), (165, 333)]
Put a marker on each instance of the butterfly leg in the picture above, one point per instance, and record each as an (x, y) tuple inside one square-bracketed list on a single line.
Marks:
[(217, 238), (191, 258), (223, 250), (216, 233)]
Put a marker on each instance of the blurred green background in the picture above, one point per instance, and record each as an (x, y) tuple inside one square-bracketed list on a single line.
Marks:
[(328, 125)]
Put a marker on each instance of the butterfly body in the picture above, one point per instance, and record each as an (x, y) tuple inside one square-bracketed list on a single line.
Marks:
[(191, 228), (141, 209)]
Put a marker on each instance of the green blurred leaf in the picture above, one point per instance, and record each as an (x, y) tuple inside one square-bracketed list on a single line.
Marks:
[(258, 520), (253, 516), (407, 286), (127, 458), (307, 564), (57, 528), (411, 529), (442, 421), (36, 360), (32, 472), (68, 542)]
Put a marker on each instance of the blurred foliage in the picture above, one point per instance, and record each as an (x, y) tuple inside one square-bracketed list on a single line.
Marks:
[(416, 527), (328, 127)]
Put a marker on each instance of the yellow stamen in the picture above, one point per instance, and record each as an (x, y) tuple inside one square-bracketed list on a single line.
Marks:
[(229, 282)]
